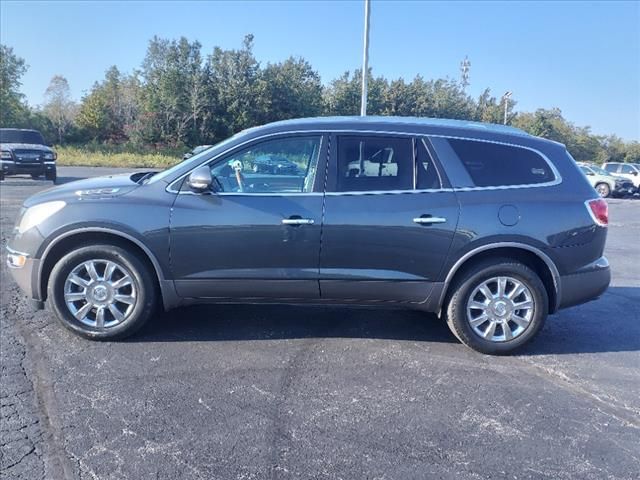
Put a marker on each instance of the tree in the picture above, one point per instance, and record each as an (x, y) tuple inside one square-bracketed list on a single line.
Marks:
[(342, 97), (13, 111), (171, 97), (58, 106), (235, 90), (291, 89)]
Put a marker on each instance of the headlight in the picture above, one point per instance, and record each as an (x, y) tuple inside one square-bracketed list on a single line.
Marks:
[(50, 156), (37, 214), (5, 155)]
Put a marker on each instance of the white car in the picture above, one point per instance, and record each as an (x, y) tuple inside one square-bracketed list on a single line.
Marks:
[(630, 171), (605, 183)]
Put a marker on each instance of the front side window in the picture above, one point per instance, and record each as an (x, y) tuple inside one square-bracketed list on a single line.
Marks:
[(494, 164), (279, 166), (627, 169), (367, 163)]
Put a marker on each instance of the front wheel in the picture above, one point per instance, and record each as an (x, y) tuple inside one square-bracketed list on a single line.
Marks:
[(497, 306), (102, 292), (51, 175)]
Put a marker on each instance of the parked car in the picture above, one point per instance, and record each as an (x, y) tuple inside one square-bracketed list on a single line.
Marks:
[(275, 165), (26, 152), (485, 225), (606, 184), (630, 171), (196, 151)]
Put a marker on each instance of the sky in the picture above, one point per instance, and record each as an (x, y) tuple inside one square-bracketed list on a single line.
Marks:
[(583, 57)]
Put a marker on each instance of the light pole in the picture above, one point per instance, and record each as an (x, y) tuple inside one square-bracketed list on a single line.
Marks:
[(465, 66), (365, 59), (506, 98)]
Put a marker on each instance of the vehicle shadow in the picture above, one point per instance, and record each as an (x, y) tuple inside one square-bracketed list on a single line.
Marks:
[(609, 324), (271, 322)]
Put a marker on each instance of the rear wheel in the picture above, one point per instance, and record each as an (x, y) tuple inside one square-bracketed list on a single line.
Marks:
[(603, 190), (102, 292), (497, 306)]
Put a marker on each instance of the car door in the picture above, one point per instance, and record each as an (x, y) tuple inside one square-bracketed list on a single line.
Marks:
[(258, 235), (389, 221)]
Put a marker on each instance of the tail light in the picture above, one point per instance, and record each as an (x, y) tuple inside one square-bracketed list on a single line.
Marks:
[(599, 211)]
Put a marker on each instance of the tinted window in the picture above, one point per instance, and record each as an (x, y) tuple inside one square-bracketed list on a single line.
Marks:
[(494, 164), (285, 165), (374, 163), (610, 167), (32, 137), (627, 169)]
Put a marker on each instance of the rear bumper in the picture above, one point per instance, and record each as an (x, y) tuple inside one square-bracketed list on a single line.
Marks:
[(585, 285)]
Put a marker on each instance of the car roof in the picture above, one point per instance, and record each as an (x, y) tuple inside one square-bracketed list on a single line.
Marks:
[(373, 121)]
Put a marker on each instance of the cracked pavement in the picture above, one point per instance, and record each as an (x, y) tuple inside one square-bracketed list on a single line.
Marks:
[(250, 392)]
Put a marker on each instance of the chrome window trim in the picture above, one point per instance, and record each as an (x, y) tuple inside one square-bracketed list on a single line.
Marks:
[(170, 188), (558, 178), (556, 181)]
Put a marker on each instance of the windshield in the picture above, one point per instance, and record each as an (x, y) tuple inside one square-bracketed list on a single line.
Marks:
[(192, 161), (33, 137)]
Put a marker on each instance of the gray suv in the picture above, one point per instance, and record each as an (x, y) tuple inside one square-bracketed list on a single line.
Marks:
[(25, 152), (484, 225)]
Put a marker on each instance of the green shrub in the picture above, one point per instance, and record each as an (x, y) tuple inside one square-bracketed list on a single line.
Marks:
[(93, 156)]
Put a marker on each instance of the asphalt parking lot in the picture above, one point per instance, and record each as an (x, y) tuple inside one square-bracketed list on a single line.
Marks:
[(248, 392)]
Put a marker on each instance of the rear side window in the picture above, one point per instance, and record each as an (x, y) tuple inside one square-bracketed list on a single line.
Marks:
[(367, 163), (612, 168), (494, 164)]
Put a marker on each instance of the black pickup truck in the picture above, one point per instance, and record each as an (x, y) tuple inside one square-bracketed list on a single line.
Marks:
[(26, 152)]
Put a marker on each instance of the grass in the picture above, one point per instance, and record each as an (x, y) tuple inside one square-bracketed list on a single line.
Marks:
[(91, 156)]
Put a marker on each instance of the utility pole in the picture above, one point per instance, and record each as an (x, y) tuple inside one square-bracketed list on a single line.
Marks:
[(465, 66), (506, 98), (365, 59)]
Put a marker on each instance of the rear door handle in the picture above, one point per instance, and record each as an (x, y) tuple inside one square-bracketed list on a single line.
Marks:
[(297, 221), (428, 220)]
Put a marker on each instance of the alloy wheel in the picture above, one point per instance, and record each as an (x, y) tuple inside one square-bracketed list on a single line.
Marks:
[(500, 309), (100, 293)]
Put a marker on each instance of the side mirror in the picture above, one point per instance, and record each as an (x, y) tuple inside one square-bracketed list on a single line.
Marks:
[(200, 179), (635, 173)]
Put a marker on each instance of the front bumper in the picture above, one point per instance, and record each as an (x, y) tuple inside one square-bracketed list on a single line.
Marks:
[(25, 275), (9, 167), (586, 284)]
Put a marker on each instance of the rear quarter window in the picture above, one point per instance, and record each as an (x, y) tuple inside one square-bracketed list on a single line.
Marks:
[(495, 165)]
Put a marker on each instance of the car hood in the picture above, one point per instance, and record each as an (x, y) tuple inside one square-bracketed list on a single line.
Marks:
[(89, 188), (25, 146)]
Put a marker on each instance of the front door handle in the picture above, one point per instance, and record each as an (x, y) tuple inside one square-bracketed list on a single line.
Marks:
[(297, 221), (428, 220)]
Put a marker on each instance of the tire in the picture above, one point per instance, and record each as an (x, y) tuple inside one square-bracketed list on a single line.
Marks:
[(603, 190), (51, 176), (141, 290), (499, 310)]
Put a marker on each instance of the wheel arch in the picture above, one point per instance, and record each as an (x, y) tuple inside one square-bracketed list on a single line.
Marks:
[(531, 256), (74, 238)]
